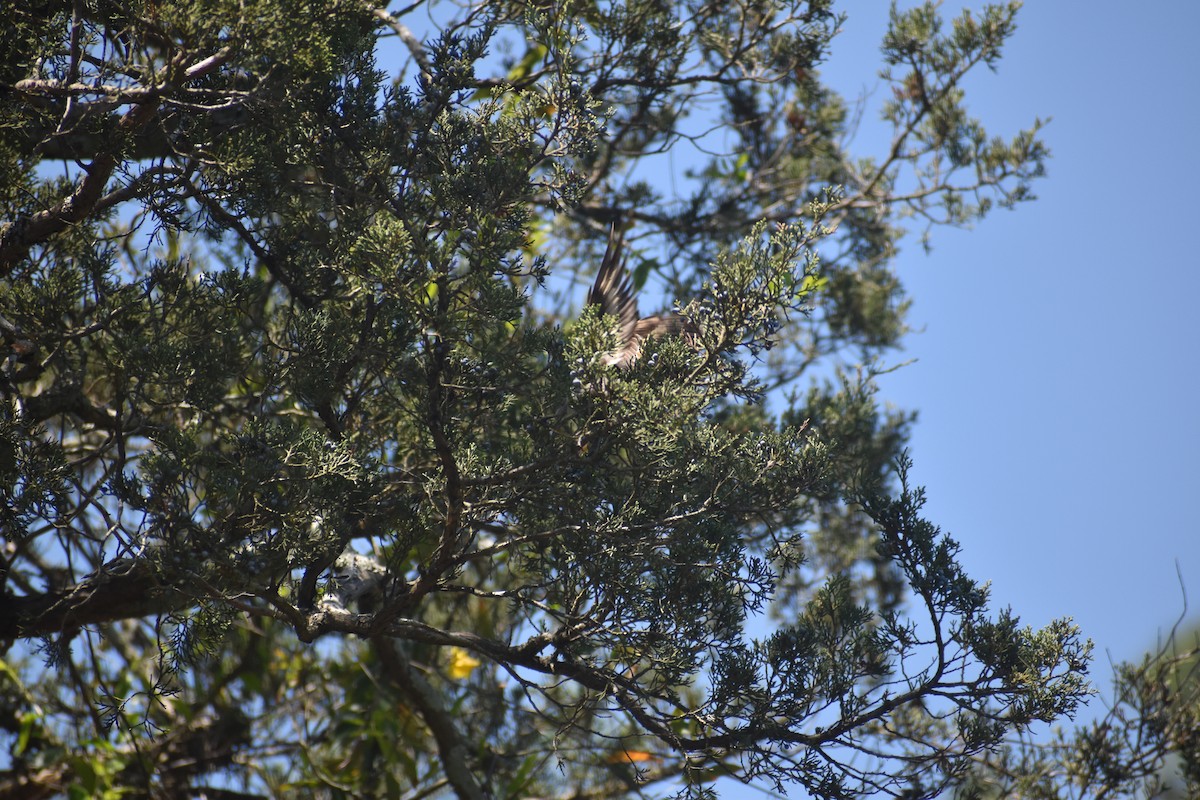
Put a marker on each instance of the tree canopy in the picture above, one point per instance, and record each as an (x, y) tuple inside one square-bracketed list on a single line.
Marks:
[(316, 482)]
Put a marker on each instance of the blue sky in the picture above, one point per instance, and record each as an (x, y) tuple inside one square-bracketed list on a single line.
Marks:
[(1056, 374)]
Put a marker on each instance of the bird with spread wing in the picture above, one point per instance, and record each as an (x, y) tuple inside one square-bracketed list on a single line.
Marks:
[(613, 294)]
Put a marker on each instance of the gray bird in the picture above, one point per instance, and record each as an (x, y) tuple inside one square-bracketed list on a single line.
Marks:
[(613, 293), (355, 581)]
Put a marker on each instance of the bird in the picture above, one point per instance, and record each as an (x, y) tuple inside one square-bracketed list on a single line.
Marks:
[(355, 580), (613, 294)]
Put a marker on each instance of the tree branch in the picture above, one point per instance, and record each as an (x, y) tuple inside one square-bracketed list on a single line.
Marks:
[(452, 748), (126, 589), (18, 236)]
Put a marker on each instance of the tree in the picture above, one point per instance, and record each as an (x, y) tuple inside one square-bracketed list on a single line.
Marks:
[(1147, 744), (313, 487)]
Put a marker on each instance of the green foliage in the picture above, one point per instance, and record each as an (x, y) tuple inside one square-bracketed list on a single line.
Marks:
[(1143, 746), (270, 299)]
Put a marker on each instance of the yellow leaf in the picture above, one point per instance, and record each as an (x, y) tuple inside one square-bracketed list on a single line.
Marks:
[(462, 663)]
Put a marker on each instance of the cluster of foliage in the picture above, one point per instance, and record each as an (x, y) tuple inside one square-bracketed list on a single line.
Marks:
[(271, 295)]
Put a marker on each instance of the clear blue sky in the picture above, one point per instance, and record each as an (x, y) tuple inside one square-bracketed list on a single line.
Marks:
[(1057, 371)]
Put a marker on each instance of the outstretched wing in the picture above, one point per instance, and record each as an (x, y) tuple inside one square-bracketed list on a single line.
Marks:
[(613, 293)]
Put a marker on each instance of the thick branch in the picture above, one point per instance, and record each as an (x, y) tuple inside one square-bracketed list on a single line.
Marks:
[(451, 746), (110, 595), (18, 236)]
